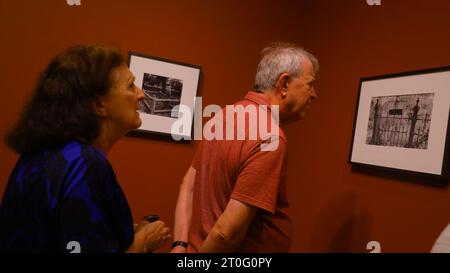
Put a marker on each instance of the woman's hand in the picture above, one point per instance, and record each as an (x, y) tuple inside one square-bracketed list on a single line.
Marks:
[(150, 236)]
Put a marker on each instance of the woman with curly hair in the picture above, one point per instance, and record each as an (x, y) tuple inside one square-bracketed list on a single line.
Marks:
[(63, 193)]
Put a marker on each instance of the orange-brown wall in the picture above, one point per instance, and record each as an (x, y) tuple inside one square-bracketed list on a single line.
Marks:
[(336, 209), (333, 208)]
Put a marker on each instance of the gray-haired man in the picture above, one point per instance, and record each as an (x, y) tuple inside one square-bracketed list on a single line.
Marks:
[(233, 197)]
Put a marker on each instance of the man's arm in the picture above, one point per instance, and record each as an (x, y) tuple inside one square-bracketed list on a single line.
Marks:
[(231, 227), (183, 210)]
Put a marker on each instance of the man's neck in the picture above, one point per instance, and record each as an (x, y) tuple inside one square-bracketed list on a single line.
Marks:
[(269, 96), (273, 99)]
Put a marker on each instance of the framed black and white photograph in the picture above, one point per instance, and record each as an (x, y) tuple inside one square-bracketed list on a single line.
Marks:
[(401, 122), (166, 85)]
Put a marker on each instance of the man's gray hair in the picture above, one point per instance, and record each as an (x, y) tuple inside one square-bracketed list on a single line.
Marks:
[(278, 58)]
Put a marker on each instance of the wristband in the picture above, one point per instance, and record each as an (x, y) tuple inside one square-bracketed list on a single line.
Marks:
[(151, 218), (180, 243)]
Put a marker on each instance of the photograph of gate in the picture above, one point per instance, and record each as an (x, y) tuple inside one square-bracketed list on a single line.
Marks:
[(400, 121)]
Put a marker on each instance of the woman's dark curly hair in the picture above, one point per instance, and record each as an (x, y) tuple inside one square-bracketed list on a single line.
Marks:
[(61, 106)]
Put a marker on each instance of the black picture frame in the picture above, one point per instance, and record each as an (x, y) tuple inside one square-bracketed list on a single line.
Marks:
[(166, 83), (402, 124)]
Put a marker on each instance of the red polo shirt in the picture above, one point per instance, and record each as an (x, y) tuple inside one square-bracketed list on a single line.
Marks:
[(240, 170)]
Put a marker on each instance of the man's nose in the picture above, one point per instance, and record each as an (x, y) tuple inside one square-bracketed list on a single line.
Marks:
[(313, 93)]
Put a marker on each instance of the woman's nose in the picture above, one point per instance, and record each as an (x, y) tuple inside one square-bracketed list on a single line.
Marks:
[(141, 94)]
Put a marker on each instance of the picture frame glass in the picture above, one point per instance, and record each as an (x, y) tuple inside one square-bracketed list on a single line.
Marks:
[(166, 84), (401, 121)]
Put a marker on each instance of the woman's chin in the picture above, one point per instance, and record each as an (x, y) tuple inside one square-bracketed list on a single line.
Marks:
[(138, 123), (135, 125)]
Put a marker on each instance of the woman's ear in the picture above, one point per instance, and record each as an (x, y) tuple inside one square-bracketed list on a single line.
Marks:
[(99, 107)]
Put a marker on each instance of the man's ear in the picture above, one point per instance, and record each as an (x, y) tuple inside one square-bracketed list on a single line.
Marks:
[(282, 84), (99, 107)]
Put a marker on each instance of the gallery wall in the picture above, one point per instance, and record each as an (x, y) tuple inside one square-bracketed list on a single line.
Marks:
[(338, 209), (223, 37), (333, 208)]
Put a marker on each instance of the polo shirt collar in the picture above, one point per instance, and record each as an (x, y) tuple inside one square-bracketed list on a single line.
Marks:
[(257, 98)]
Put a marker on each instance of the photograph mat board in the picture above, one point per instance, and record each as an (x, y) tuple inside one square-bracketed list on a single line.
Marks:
[(426, 161), (189, 75)]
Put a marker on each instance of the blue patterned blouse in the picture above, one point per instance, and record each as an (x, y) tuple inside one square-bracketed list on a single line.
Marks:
[(65, 199)]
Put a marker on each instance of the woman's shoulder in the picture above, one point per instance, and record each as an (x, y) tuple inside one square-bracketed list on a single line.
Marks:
[(80, 151), (74, 162)]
